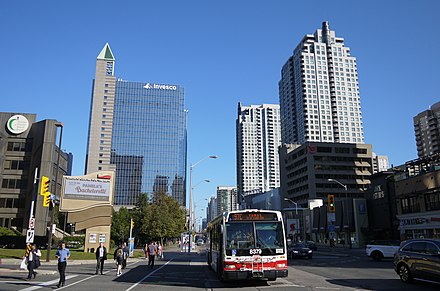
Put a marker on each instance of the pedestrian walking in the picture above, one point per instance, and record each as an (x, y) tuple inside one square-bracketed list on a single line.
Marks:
[(146, 251), (126, 254), (62, 254), (160, 251), (33, 260), (101, 256), (119, 257), (152, 251)]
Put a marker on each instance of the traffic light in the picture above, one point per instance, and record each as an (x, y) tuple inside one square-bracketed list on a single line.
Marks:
[(132, 224), (44, 190), (44, 185), (331, 203), (46, 200)]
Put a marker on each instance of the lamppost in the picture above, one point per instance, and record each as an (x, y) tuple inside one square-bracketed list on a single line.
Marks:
[(296, 204), (190, 198), (193, 214), (49, 236), (296, 213), (348, 236)]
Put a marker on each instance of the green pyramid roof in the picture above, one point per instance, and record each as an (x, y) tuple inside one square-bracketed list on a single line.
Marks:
[(106, 53)]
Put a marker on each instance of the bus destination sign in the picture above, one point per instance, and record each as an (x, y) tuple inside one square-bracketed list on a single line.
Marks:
[(253, 216)]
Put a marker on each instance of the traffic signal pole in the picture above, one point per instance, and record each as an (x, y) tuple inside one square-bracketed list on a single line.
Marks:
[(31, 224)]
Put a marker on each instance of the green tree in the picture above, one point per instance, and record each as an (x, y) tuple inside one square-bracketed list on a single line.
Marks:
[(120, 229), (159, 220), (4, 231)]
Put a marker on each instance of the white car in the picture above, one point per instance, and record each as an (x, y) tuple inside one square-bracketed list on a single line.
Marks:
[(380, 249)]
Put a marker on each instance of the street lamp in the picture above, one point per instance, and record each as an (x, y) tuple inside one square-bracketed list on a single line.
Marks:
[(348, 236), (49, 236), (296, 204), (190, 198)]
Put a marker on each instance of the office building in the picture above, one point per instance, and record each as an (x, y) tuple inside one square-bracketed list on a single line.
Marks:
[(28, 149), (426, 127), (319, 92), (137, 129), (227, 199), (258, 138), (305, 170)]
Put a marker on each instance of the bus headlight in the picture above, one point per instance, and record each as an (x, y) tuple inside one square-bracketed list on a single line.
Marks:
[(281, 266)]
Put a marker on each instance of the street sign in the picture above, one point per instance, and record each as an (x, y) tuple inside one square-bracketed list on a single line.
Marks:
[(32, 223), (331, 228), (331, 217), (30, 236)]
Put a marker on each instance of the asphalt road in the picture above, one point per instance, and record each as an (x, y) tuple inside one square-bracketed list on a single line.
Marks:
[(328, 270)]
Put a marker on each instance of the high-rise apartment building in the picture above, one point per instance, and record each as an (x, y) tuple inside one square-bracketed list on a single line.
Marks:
[(227, 199), (380, 163), (211, 210), (137, 129), (319, 92), (426, 127), (258, 137)]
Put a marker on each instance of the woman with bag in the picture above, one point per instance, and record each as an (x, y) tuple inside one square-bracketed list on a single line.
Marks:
[(33, 260)]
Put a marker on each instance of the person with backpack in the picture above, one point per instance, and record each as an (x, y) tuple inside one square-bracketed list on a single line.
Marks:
[(33, 259), (101, 256), (119, 257), (126, 254)]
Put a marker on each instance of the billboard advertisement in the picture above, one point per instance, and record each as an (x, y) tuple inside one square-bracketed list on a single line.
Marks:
[(86, 189), (293, 226)]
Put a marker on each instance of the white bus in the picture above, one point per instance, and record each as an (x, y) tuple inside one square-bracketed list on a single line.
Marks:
[(248, 244)]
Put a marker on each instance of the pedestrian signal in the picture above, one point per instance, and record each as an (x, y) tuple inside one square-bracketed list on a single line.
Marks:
[(44, 185), (331, 203)]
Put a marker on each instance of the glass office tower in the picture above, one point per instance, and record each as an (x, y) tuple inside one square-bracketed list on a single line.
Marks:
[(148, 141), (138, 130)]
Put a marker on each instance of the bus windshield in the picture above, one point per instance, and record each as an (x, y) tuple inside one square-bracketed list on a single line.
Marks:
[(241, 237)]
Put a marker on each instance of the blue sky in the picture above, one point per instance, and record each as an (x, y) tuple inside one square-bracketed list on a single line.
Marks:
[(222, 52)]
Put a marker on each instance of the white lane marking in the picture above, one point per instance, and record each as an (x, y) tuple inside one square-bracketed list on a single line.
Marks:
[(44, 284), (93, 276), (328, 288), (148, 275)]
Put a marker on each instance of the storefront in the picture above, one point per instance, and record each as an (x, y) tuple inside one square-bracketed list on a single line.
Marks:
[(420, 225)]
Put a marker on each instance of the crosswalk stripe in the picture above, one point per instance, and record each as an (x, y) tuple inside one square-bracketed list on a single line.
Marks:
[(44, 284)]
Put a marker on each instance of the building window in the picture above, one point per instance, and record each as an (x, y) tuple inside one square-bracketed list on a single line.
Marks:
[(14, 184), (409, 205), (14, 165), (16, 146), (432, 201)]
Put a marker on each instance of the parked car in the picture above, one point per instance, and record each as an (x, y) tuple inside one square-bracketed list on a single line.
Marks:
[(418, 258), (380, 249), (299, 250), (200, 242), (311, 245)]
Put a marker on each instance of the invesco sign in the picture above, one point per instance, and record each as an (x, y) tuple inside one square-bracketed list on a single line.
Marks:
[(17, 124), (160, 86)]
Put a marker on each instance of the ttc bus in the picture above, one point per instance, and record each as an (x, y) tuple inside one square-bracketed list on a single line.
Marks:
[(248, 244)]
